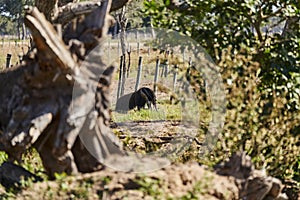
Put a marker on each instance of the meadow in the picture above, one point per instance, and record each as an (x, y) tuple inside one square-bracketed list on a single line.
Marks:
[(16, 48), (271, 139)]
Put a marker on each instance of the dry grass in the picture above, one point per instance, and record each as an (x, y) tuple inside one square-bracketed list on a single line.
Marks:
[(13, 48)]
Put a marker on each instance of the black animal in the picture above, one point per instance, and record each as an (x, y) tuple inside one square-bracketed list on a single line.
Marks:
[(142, 97), (122, 104)]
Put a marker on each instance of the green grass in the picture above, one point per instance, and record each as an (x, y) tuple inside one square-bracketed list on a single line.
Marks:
[(3, 157), (165, 112), (193, 112), (33, 163), (150, 186)]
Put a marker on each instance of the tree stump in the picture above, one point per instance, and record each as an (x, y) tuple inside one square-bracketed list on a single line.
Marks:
[(59, 93)]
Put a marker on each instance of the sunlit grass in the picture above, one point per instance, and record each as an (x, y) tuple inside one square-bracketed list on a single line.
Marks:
[(166, 111), (141, 115), (3, 157), (33, 163), (15, 49)]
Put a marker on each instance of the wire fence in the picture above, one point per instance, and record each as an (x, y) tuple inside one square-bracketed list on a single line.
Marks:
[(12, 50)]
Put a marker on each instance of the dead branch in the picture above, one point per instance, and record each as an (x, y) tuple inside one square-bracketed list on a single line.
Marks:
[(66, 13), (72, 10), (49, 45), (49, 100), (49, 8)]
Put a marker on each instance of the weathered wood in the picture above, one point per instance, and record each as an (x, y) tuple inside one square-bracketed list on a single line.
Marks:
[(67, 12), (156, 74), (51, 48), (117, 4), (87, 31), (72, 10), (8, 58), (120, 82), (122, 20), (139, 74), (49, 8), (129, 60), (49, 102)]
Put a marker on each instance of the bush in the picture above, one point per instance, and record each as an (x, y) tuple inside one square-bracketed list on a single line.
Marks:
[(266, 128)]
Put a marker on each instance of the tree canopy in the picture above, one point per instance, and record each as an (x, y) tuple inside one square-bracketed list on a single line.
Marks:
[(256, 44), (12, 16)]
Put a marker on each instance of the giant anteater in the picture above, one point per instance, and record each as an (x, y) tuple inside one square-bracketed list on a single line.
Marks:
[(122, 104), (142, 97)]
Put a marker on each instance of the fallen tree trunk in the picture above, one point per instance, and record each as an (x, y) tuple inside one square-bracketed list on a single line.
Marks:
[(48, 100)]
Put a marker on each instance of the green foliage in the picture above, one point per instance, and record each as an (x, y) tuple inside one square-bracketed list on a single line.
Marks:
[(33, 163), (106, 180), (200, 187), (252, 25), (12, 15), (136, 18), (165, 112), (150, 186), (8, 196), (265, 128), (7, 26), (74, 189), (257, 50), (3, 157)]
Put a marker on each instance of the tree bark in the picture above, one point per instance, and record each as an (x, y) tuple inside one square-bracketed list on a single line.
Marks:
[(54, 98), (122, 20), (48, 8)]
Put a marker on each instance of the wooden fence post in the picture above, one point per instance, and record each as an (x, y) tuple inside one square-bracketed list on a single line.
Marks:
[(175, 77), (129, 60), (123, 75), (8, 57), (167, 63), (138, 49), (190, 61), (166, 69), (136, 35), (120, 77), (20, 58), (156, 74), (138, 77)]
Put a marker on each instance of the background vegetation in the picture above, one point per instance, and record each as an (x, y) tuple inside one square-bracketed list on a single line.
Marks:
[(11, 17), (258, 52), (260, 66)]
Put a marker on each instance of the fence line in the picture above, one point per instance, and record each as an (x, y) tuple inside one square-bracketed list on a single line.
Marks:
[(163, 68), (8, 57), (120, 78), (138, 77), (156, 74)]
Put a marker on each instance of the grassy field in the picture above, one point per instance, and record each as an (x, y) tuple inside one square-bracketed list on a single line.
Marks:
[(242, 126), (15, 49)]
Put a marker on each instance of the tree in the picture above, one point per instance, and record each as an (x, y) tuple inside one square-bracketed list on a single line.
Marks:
[(122, 21), (256, 44), (13, 12), (255, 26)]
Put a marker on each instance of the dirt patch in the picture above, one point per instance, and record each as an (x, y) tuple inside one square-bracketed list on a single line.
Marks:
[(233, 179), (175, 181)]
